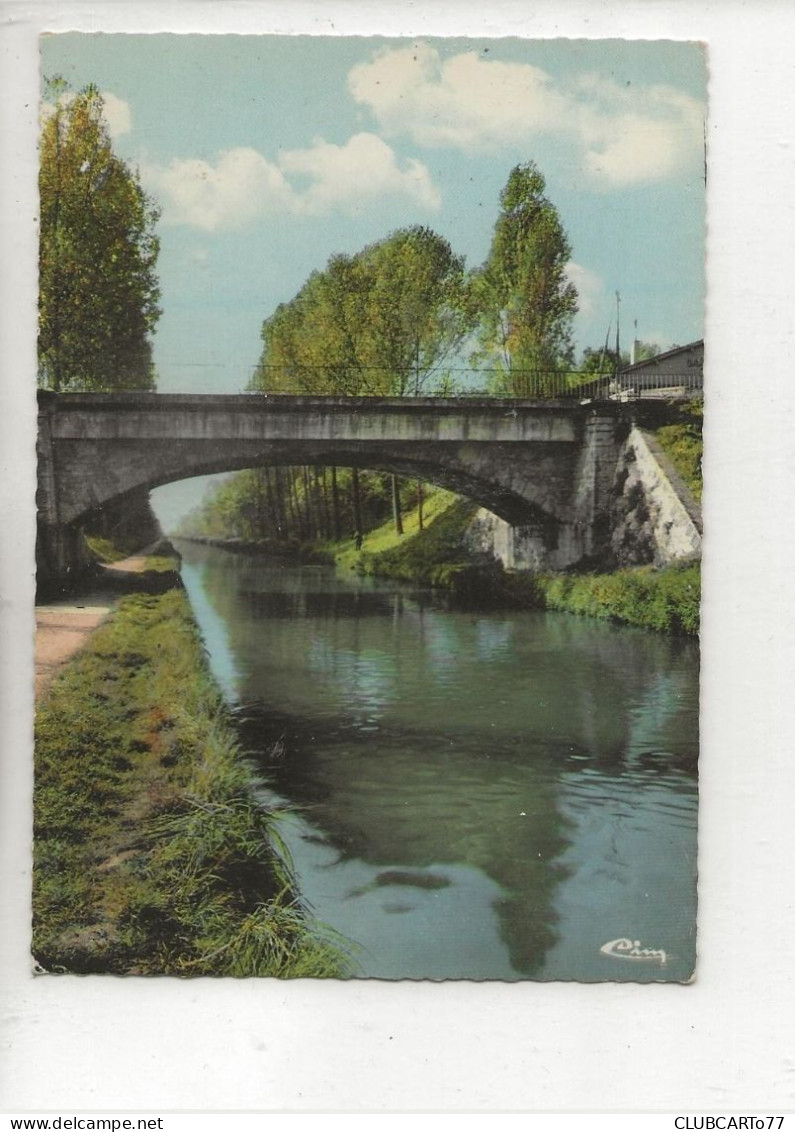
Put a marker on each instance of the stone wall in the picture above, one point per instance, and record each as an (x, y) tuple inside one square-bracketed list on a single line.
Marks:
[(655, 518), (648, 515)]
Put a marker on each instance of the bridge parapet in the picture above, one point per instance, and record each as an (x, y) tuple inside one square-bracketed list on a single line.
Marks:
[(258, 416)]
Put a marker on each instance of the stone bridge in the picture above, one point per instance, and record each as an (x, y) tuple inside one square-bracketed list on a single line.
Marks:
[(545, 467)]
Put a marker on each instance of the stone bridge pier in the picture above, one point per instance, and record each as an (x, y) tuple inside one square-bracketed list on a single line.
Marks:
[(546, 468)]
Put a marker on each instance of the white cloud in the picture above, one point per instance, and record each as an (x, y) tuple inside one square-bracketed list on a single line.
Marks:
[(363, 169), (623, 135), (239, 187), (590, 288), (242, 184), (462, 102), (115, 111), (631, 135), (117, 114)]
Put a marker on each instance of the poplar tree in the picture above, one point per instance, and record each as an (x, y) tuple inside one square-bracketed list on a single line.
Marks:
[(524, 301), (98, 291)]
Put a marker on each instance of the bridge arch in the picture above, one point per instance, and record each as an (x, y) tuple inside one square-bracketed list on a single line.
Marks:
[(532, 505)]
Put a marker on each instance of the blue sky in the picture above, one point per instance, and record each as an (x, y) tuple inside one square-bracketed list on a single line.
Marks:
[(270, 153), (267, 154)]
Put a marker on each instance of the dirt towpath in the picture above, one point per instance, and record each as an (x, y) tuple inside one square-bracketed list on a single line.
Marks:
[(63, 627)]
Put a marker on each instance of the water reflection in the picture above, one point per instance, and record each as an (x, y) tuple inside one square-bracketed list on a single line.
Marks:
[(483, 796)]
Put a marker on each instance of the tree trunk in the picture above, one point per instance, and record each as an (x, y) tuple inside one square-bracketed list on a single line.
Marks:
[(307, 502), (294, 503), (273, 503), (283, 503), (335, 504), (357, 502), (420, 501), (260, 523), (326, 508), (396, 507)]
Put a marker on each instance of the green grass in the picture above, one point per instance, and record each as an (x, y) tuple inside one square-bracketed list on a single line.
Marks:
[(384, 539), (665, 600), (160, 564), (684, 446), (104, 549), (435, 556), (151, 853)]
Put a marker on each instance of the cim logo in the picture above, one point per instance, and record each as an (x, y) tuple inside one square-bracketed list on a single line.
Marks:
[(632, 950)]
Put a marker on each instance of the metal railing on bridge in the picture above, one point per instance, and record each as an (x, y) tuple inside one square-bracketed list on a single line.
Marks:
[(558, 385)]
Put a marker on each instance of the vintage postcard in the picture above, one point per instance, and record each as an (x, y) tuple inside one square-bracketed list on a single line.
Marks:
[(370, 393)]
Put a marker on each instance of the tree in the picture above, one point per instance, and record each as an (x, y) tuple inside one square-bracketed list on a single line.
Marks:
[(644, 351), (412, 305), (602, 360), (381, 322), (522, 297), (98, 292), (309, 343)]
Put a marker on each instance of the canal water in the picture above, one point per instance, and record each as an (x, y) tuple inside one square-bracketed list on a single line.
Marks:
[(474, 795)]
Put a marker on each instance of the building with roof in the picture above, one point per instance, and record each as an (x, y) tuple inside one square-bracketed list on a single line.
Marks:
[(677, 373)]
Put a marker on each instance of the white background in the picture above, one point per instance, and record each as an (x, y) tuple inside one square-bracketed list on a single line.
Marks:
[(724, 1043)]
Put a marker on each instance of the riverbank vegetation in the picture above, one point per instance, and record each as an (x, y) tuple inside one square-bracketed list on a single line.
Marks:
[(435, 554), (683, 444), (152, 853), (433, 550), (666, 600), (300, 510)]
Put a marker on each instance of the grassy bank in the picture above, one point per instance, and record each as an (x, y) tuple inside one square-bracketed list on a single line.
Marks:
[(666, 600), (683, 444), (151, 854), (435, 554)]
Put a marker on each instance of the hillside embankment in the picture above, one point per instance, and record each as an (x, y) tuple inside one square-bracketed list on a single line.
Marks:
[(152, 852)]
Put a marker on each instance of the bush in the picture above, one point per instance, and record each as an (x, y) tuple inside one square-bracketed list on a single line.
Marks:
[(666, 600)]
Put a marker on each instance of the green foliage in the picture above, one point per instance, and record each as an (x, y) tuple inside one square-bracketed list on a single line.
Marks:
[(151, 852), (601, 360), (380, 322), (105, 549), (666, 600), (522, 297), (287, 511), (435, 556), (98, 292), (683, 444), (645, 350)]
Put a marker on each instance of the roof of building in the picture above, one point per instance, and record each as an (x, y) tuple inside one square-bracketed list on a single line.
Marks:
[(648, 362)]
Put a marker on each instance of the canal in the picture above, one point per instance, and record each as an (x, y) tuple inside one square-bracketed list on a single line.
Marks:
[(473, 795)]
